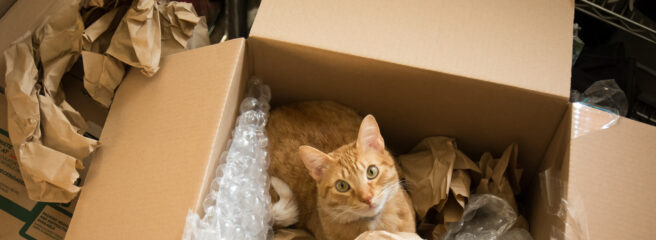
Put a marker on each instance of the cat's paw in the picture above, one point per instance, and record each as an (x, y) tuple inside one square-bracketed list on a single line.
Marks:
[(285, 211)]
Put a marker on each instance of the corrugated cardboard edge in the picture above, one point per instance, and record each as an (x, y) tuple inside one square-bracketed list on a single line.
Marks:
[(236, 90), (107, 209)]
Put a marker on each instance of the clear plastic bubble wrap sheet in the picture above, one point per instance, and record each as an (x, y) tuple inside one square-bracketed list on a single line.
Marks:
[(237, 205)]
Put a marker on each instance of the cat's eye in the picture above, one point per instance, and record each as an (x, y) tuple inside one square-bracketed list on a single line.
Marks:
[(372, 172), (342, 186)]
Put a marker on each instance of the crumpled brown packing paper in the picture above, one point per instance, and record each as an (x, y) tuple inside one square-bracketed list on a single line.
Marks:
[(93, 3), (59, 41), (44, 129), (180, 21), (102, 75), (429, 173), (146, 32), (137, 39), (94, 31), (200, 36), (500, 176), (385, 235)]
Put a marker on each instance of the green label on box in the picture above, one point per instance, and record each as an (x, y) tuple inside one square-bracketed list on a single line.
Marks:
[(39, 220)]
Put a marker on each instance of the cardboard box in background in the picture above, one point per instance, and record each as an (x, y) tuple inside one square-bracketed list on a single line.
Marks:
[(21, 217), (486, 73)]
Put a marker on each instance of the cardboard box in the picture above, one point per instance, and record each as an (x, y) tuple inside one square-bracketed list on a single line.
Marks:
[(487, 73), (21, 217)]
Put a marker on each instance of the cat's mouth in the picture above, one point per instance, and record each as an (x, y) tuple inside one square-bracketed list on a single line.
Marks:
[(371, 210)]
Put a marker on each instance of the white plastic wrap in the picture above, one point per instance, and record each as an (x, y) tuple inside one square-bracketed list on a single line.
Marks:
[(237, 206)]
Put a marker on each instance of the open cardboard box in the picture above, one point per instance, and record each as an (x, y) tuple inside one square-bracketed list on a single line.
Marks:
[(486, 73)]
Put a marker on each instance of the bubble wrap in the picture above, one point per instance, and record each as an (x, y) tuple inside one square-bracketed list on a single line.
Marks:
[(237, 205)]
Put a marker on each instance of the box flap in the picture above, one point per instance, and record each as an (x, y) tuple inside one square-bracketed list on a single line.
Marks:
[(612, 172), (160, 138), (23, 16), (527, 44)]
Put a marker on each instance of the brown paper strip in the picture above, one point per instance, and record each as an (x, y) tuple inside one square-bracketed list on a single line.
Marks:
[(95, 3), (429, 172), (494, 179), (102, 75), (201, 36), (137, 40), (59, 42), (460, 185), (427, 169), (97, 28), (181, 18), (59, 133)]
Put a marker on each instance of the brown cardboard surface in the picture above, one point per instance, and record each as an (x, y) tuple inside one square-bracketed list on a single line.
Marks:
[(164, 134), (556, 157), (612, 172), (517, 43), (160, 138), (23, 16), (413, 103)]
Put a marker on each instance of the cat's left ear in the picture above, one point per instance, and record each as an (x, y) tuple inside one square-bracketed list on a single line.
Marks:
[(315, 161), (369, 138)]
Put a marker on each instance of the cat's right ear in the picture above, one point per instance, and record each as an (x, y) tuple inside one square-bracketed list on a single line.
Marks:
[(315, 161)]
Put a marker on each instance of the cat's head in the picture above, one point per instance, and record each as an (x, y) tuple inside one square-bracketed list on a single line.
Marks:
[(356, 180)]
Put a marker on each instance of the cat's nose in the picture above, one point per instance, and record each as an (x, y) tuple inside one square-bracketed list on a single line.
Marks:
[(367, 199)]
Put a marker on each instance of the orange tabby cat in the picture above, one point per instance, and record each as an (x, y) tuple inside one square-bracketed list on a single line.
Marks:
[(343, 179)]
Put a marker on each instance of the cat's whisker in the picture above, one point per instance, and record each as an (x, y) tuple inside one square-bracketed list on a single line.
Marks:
[(386, 188)]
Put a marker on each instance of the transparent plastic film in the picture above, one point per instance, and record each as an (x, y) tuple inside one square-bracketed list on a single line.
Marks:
[(237, 205), (598, 108), (566, 208), (487, 217)]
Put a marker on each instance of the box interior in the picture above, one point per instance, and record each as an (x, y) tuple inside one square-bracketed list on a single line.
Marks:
[(410, 104)]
